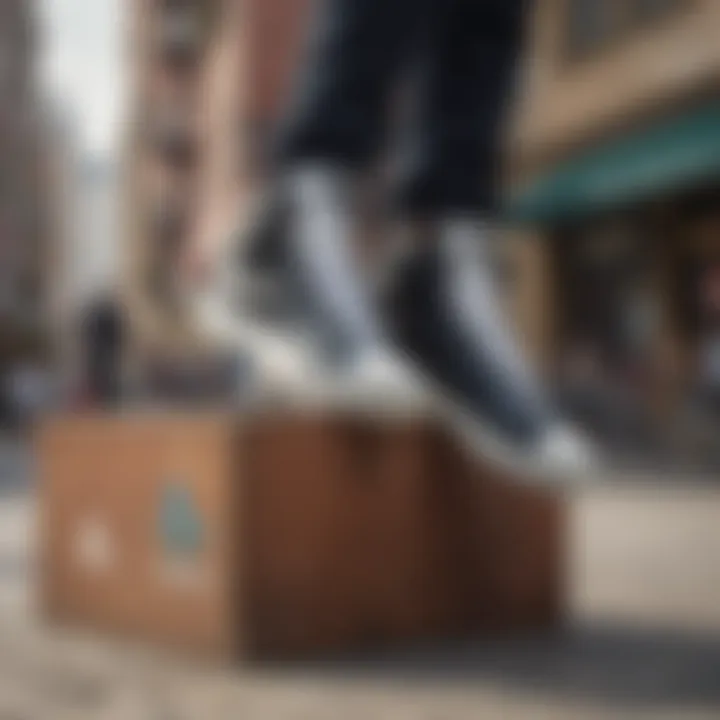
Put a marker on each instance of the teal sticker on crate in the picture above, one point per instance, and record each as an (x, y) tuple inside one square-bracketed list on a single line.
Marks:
[(181, 527)]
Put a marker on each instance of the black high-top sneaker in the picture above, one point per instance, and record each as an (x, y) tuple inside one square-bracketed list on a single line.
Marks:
[(313, 323), (447, 318)]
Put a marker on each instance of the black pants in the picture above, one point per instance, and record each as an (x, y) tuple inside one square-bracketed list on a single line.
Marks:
[(462, 53)]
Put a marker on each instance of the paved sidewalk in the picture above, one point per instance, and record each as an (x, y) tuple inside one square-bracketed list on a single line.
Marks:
[(644, 642)]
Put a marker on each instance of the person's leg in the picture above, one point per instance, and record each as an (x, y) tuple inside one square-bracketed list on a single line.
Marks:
[(333, 131), (453, 163), (337, 110), (357, 50), (336, 114), (448, 315)]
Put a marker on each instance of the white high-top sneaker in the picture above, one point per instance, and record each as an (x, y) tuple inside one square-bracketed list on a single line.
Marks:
[(331, 351)]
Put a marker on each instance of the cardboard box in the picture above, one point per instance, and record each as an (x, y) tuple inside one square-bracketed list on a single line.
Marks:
[(288, 534)]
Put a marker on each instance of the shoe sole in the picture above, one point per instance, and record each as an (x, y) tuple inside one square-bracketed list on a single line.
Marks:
[(487, 446)]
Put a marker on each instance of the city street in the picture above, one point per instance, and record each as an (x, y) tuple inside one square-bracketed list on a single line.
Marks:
[(643, 640), (513, 205)]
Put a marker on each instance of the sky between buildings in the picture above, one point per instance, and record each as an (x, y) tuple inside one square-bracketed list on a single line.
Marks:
[(82, 68)]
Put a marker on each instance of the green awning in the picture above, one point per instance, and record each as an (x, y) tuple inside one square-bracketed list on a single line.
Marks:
[(669, 156)]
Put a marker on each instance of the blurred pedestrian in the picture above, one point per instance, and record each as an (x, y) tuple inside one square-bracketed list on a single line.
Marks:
[(103, 338)]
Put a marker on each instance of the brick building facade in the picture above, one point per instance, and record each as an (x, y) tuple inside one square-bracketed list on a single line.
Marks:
[(25, 217)]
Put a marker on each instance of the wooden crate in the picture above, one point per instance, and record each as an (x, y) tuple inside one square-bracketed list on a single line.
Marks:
[(138, 523), (287, 534), (504, 543)]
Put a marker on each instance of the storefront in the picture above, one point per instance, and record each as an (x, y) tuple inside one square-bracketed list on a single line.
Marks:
[(632, 231)]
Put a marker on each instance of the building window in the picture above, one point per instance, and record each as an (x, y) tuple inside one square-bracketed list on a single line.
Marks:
[(180, 37), (593, 24), (643, 10), (173, 135), (184, 28)]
